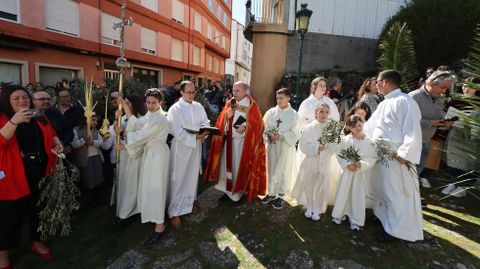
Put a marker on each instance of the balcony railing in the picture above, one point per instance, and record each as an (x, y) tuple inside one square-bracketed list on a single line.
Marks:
[(266, 11)]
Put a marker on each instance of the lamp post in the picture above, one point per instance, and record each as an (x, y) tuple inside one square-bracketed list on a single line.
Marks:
[(302, 20)]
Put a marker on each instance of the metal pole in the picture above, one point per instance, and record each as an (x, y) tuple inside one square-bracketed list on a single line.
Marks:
[(121, 64), (298, 93)]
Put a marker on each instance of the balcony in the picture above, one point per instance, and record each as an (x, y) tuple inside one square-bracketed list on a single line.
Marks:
[(268, 12)]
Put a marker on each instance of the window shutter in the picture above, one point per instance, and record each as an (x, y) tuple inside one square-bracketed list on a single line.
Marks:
[(177, 50), (178, 11), (148, 39), (107, 27), (62, 16), (198, 22), (150, 4)]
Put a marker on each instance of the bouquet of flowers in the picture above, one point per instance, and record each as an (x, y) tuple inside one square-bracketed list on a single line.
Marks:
[(385, 154), (331, 132), (350, 154), (269, 131), (58, 199)]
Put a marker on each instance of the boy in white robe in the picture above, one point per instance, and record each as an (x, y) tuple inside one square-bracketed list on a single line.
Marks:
[(186, 152), (282, 133), (395, 187)]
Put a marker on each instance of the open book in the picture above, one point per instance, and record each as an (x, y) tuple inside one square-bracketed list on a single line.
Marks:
[(200, 129)]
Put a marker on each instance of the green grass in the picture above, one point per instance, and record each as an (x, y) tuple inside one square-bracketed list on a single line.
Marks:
[(260, 236)]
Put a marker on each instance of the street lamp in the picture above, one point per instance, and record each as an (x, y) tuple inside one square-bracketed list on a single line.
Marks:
[(302, 20)]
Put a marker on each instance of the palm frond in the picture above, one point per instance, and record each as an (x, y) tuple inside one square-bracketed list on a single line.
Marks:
[(397, 52)]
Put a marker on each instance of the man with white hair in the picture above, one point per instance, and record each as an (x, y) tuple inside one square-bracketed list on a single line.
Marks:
[(431, 103), (237, 156)]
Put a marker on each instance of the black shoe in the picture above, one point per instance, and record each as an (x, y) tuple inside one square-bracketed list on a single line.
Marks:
[(278, 203), (384, 237), (154, 239), (375, 220), (267, 199)]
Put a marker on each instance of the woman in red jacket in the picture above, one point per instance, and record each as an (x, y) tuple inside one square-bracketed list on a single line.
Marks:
[(26, 143)]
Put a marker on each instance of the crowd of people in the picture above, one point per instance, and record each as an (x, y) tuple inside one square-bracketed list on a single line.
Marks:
[(281, 155)]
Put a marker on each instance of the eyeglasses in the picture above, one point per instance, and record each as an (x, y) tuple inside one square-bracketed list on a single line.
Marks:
[(44, 99), (64, 96)]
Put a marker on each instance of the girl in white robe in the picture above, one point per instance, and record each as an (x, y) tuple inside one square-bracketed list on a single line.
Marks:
[(312, 185), (153, 183), (352, 191), (130, 162), (306, 113)]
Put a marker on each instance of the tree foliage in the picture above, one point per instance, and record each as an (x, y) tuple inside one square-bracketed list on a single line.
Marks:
[(442, 30), (397, 52)]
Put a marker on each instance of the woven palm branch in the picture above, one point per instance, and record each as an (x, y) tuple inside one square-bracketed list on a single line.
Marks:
[(397, 52)]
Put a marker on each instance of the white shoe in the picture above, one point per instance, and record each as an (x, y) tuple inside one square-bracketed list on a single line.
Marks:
[(459, 192), (338, 220), (308, 214), (448, 189), (425, 183), (354, 227), (316, 217)]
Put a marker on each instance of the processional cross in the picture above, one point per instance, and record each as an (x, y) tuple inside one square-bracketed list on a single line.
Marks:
[(121, 64)]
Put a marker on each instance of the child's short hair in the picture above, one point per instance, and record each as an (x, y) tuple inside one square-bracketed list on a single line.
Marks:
[(285, 91), (350, 122)]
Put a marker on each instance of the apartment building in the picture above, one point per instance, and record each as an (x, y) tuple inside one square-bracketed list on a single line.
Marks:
[(51, 40)]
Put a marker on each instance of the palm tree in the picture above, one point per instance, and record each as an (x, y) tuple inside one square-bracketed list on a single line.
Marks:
[(397, 52)]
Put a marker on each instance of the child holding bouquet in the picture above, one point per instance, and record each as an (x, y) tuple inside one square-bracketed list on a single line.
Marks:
[(356, 156), (318, 142)]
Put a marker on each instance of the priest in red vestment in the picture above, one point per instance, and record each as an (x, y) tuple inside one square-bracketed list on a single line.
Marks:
[(236, 161)]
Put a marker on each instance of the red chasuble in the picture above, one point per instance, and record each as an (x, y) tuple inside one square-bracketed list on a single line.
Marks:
[(252, 175)]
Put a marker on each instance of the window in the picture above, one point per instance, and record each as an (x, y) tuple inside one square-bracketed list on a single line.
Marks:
[(110, 74), (153, 78), (219, 12), (223, 43), (177, 50), (148, 41), (11, 73), (150, 4), (216, 37), (209, 63), (216, 66), (188, 77), (210, 4), (209, 31), (198, 22), (196, 55), (62, 16), (49, 76), (178, 11), (225, 20), (9, 10), (110, 36)]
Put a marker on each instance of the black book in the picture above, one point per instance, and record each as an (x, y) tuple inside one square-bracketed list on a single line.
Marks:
[(198, 130), (239, 121)]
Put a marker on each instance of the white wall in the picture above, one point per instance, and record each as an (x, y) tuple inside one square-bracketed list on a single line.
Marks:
[(357, 18), (240, 53)]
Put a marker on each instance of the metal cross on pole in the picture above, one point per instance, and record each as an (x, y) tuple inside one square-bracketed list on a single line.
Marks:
[(121, 63)]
